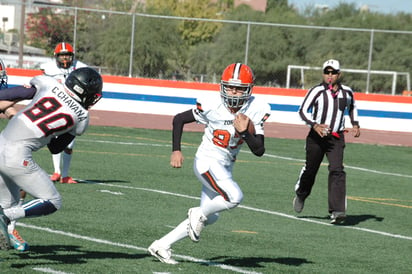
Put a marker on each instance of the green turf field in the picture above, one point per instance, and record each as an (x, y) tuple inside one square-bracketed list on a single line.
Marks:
[(130, 196)]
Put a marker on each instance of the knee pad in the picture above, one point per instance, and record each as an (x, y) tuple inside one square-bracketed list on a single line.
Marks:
[(68, 150)]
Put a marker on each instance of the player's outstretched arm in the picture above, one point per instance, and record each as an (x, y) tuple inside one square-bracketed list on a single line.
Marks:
[(176, 159), (4, 105)]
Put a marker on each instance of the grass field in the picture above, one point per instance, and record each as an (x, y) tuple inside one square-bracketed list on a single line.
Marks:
[(130, 197)]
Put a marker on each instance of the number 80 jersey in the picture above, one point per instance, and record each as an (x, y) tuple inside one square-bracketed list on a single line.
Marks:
[(52, 112), (220, 140)]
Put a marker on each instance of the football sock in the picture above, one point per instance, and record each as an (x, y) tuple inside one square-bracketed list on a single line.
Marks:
[(175, 235), (56, 162), (67, 158)]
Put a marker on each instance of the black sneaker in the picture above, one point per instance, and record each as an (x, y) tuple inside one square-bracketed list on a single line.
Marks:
[(337, 217), (298, 204)]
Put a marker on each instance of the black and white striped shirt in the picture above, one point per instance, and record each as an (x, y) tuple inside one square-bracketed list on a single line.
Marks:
[(321, 107)]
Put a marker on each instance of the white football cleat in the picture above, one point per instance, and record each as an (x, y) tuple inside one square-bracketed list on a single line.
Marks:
[(196, 223), (162, 254)]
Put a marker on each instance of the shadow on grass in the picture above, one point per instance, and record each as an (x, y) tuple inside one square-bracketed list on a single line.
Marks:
[(350, 220), (257, 261), (67, 254)]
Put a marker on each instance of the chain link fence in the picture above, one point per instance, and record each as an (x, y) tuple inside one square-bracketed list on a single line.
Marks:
[(139, 31)]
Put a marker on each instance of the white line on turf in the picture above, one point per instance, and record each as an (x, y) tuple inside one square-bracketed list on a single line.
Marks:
[(91, 239), (49, 270), (265, 211), (265, 155)]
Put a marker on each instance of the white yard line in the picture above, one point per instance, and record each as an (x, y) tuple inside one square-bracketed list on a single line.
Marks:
[(49, 270), (266, 211), (101, 241), (265, 155)]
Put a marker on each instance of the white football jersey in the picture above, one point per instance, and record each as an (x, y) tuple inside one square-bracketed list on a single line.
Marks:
[(51, 69), (50, 113), (220, 140)]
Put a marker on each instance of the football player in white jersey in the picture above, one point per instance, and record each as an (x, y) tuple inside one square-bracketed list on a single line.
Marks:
[(56, 114), (226, 119), (16, 240), (65, 62)]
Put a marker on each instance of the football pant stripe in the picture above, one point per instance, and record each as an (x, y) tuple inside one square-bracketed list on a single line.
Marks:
[(212, 182)]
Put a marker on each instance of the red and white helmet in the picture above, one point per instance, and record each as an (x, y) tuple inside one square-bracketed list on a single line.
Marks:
[(236, 75), (64, 54)]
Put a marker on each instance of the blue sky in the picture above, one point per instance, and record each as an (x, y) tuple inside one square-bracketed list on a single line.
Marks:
[(382, 6)]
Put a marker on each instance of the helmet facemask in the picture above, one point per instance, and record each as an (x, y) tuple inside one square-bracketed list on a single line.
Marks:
[(235, 101), (64, 60)]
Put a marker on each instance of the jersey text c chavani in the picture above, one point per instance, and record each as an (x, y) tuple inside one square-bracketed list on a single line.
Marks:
[(71, 103)]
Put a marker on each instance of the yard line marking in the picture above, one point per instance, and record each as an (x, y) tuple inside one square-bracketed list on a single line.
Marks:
[(110, 192), (264, 211), (346, 166), (264, 155), (101, 241), (49, 270), (379, 201)]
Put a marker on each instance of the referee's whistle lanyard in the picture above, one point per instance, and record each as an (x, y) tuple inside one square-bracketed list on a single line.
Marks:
[(332, 92)]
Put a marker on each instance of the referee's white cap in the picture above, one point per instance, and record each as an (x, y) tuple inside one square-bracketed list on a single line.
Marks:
[(332, 63)]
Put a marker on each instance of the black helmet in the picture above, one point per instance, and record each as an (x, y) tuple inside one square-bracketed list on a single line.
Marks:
[(86, 84)]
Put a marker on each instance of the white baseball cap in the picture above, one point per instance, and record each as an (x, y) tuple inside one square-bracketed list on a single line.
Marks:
[(332, 63)]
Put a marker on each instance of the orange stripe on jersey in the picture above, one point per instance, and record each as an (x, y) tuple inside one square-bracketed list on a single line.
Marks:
[(212, 182)]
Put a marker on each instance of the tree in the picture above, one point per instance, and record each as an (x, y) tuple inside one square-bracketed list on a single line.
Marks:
[(46, 29)]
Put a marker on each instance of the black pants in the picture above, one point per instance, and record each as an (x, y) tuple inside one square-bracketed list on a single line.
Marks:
[(316, 148)]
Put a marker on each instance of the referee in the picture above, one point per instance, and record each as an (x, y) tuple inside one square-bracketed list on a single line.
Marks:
[(323, 110)]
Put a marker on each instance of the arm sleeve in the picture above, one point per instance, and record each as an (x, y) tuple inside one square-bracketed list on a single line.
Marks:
[(178, 122), (256, 143), (59, 143), (17, 93)]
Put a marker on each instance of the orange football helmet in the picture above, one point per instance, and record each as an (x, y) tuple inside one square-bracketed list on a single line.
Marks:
[(64, 54), (240, 77), (3, 75)]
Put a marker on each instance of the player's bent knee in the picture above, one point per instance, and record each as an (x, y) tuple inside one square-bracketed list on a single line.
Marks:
[(231, 205), (68, 150), (57, 202), (40, 207)]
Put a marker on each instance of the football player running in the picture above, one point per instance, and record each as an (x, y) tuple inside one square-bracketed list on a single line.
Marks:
[(16, 240), (65, 62), (226, 121), (56, 114)]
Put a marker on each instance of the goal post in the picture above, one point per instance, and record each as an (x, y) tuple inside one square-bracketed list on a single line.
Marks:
[(394, 74)]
